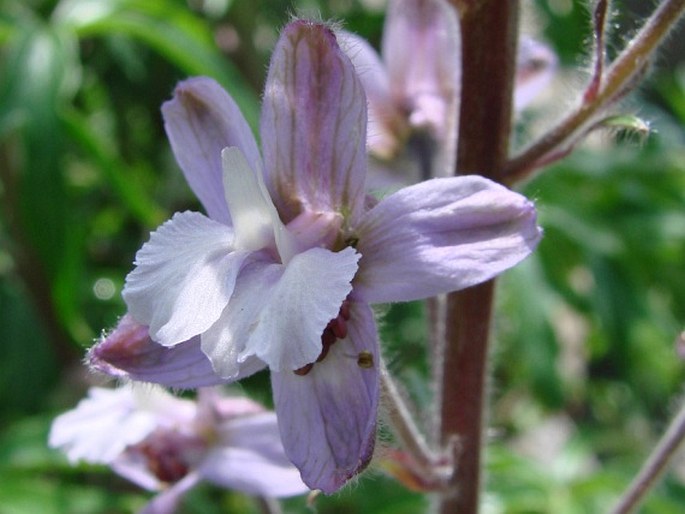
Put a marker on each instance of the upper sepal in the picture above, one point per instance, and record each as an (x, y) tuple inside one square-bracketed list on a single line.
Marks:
[(201, 120), (313, 125)]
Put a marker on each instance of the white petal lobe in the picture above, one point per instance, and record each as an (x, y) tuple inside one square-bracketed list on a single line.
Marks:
[(184, 277), (309, 294), (278, 312), (250, 206)]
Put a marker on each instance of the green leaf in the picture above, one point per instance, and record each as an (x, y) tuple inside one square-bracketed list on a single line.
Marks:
[(40, 76), (28, 367), (41, 69), (532, 303), (172, 31), (627, 126), (117, 174)]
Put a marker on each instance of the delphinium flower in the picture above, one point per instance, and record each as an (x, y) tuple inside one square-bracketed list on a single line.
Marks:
[(284, 269), (168, 444), (413, 90)]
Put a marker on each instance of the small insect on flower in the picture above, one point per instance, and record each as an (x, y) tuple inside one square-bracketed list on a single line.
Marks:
[(365, 359)]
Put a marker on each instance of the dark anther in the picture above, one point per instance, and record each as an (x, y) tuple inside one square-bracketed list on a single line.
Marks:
[(327, 340), (336, 329), (304, 369), (352, 241), (339, 327), (345, 310)]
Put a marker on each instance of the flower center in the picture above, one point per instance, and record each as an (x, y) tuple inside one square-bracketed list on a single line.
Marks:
[(336, 329), (169, 455), (316, 229)]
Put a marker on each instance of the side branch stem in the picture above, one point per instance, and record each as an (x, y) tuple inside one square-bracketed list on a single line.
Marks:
[(402, 422), (654, 466), (619, 78), (489, 31)]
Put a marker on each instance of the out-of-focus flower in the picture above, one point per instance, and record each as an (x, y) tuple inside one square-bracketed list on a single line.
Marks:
[(283, 271), (413, 90), (167, 444), (536, 65)]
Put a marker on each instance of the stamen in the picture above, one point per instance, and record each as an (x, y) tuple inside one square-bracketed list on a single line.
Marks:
[(339, 327), (345, 310), (328, 337), (336, 329), (327, 340), (304, 369)]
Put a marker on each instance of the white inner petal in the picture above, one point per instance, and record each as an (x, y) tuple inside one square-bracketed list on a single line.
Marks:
[(255, 219), (250, 209), (184, 277), (286, 332)]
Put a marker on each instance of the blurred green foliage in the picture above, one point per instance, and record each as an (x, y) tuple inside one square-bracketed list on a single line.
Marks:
[(585, 370)]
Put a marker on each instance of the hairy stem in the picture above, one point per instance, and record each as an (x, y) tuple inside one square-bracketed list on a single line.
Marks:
[(654, 466), (600, 20), (489, 41), (465, 368), (436, 312), (619, 78), (402, 423)]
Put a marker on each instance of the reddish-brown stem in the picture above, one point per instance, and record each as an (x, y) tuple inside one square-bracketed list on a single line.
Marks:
[(600, 19), (489, 40), (464, 392)]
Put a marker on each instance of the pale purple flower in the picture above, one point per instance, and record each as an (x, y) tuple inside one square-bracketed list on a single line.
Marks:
[(283, 271), (413, 88), (169, 445), (536, 65)]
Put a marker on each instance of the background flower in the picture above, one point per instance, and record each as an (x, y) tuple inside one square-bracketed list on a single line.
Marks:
[(413, 90), (167, 444)]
